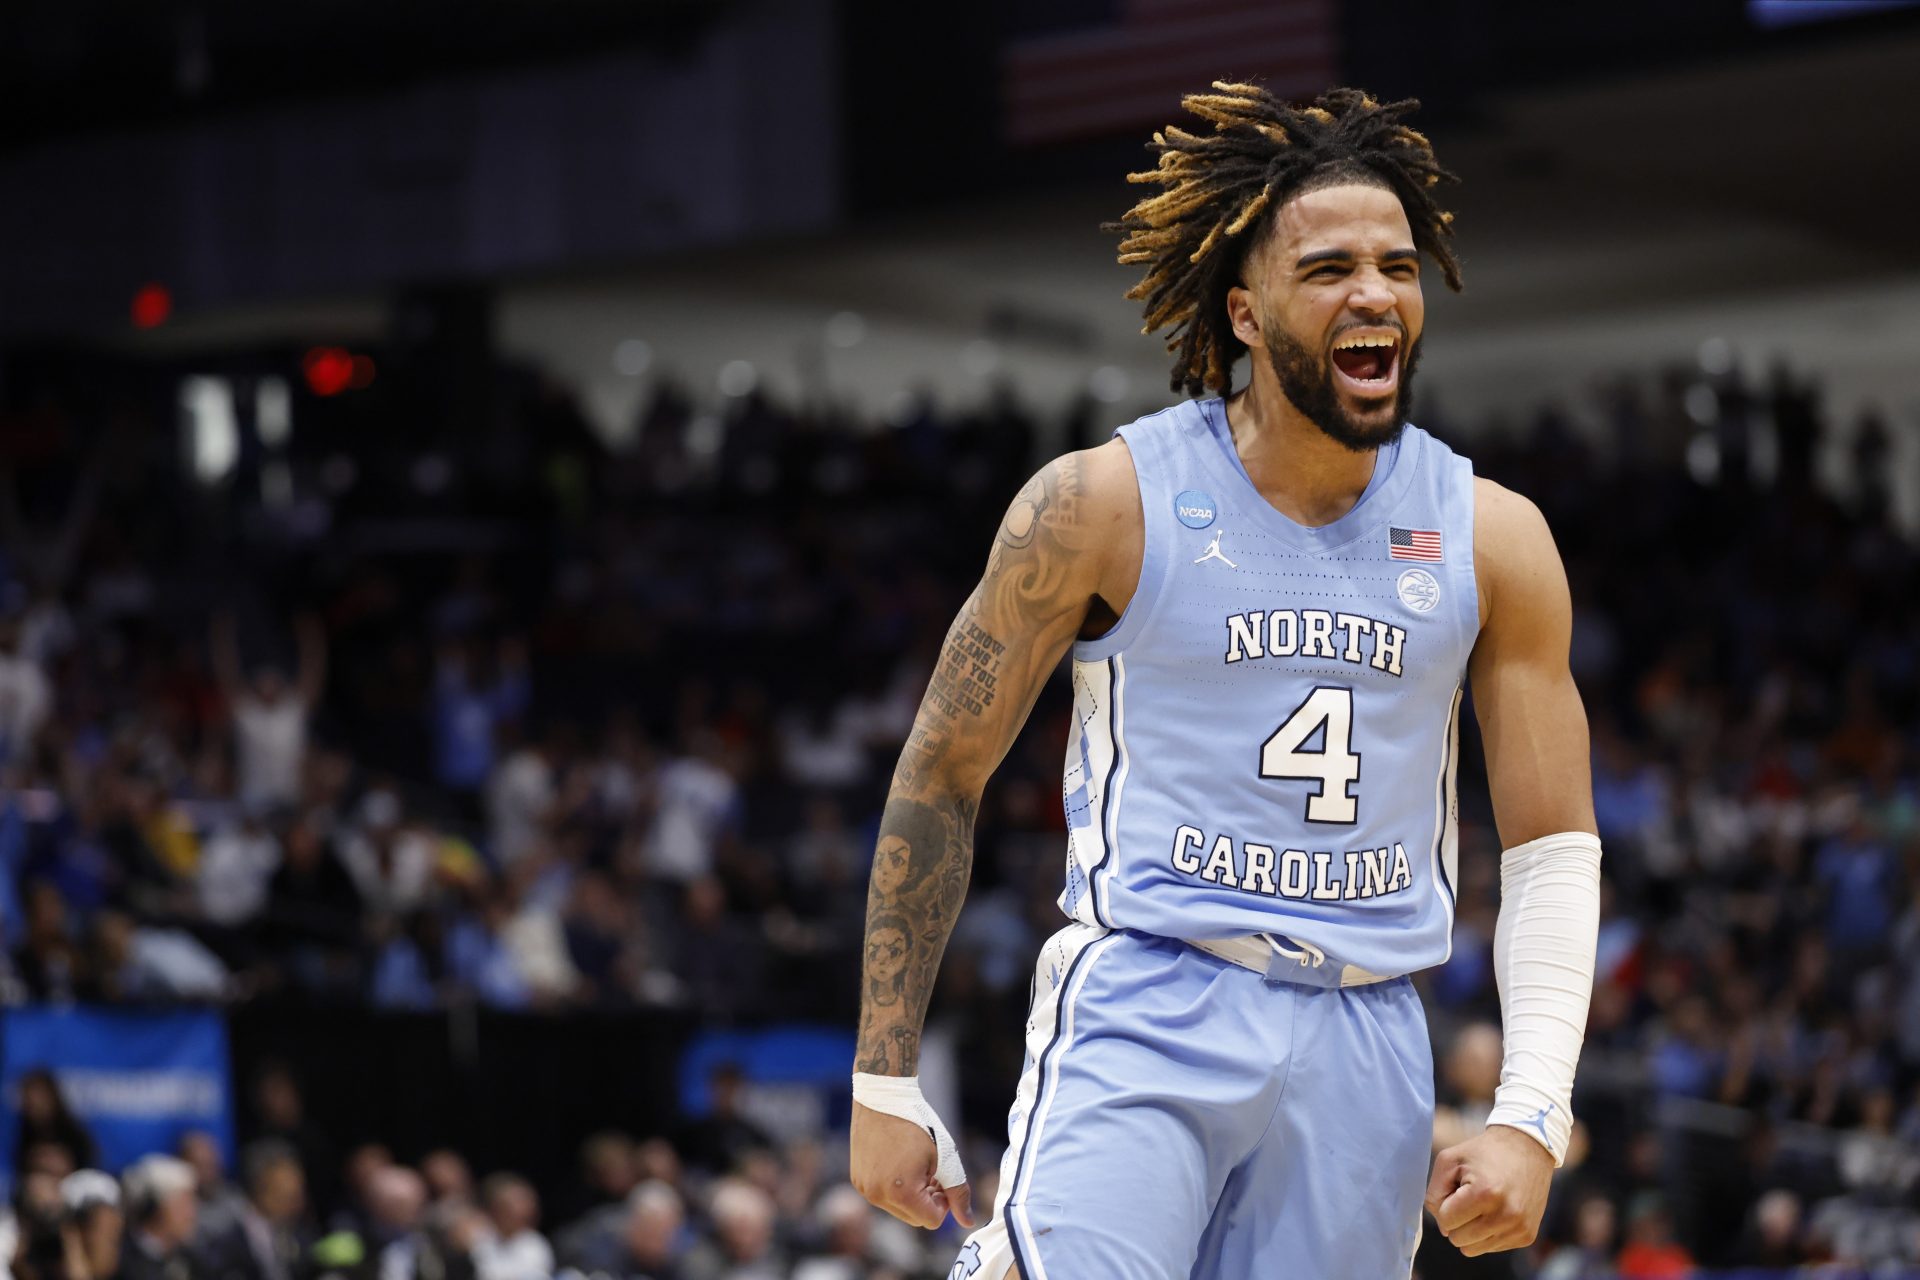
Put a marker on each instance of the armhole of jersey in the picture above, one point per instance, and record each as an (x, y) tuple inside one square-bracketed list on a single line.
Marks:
[(1469, 616), (1153, 553)]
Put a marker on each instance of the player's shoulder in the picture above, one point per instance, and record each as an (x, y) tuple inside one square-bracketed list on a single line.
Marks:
[(1112, 468), (1080, 512), (1514, 555), (1097, 488), (1109, 473), (1085, 487), (1505, 516)]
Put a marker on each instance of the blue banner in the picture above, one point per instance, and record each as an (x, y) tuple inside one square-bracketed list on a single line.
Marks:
[(796, 1077), (139, 1081)]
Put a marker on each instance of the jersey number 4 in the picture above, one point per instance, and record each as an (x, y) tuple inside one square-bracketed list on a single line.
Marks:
[(1334, 764)]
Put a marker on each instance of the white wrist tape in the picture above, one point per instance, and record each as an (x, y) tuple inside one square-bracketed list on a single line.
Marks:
[(1543, 948), (900, 1096)]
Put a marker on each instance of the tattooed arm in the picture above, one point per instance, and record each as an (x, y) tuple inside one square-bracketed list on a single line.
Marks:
[(1065, 558)]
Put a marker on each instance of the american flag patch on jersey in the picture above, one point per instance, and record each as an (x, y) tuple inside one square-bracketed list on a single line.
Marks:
[(1413, 544)]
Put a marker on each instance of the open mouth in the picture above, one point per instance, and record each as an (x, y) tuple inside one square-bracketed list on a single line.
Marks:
[(1368, 362)]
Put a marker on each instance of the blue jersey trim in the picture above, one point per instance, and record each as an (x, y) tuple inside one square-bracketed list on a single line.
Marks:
[(1401, 461), (1109, 800), (1464, 567), (1447, 765), (1106, 794)]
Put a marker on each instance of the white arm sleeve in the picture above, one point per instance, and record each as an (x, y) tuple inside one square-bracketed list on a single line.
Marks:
[(1543, 950)]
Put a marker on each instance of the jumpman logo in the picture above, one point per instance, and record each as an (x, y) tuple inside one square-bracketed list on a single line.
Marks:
[(1213, 552), (967, 1263), (1539, 1121)]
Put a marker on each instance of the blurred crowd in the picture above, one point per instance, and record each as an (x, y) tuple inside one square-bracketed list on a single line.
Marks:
[(507, 716), (718, 1200)]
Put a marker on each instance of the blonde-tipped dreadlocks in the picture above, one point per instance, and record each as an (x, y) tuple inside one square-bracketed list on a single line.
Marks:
[(1221, 189)]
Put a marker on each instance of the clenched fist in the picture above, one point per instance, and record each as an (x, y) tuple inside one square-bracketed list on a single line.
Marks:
[(1489, 1192), (892, 1162)]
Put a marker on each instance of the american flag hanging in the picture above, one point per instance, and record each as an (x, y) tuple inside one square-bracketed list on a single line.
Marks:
[(1129, 61), (1413, 544)]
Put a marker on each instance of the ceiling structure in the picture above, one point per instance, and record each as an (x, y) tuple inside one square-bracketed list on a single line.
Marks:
[(74, 67), (1619, 224)]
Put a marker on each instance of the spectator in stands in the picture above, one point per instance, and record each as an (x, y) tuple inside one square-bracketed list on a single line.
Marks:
[(134, 963), (799, 1176), (270, 716), (50, 1159), (521, 796), (46, 1119), (221, 1205), (472, 699), (1590, 1255), (49, 963), (480, 957), (364, 1164), (847, 1249), (1650, 1252), (33, 1242), (717, 955), (695, 808), (26, 695), (444, 1246), (607, 1177), (1687, 1054), (513, 1249), (1873, 1160), (236, 867), (447, 1175), (658, 1160), (275, 1234), (314, 909), (535, 939), (824, 745), (1772, 1235), (651, 1244), (596, 1204), (396, 1209), (279, 1115), (718, 1140), (743, 1246), (602, 942), (1861, 876), (93, 1230), (161, 1212), (1757, 767), (390, 857)]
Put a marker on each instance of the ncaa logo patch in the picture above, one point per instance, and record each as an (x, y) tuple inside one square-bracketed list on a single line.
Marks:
[(1194, 508), (1419, 590)]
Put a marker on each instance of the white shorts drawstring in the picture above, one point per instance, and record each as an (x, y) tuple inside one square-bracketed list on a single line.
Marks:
[(1305, 952)]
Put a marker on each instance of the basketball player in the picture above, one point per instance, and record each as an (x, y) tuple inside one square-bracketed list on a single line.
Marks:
[(1274, 599)]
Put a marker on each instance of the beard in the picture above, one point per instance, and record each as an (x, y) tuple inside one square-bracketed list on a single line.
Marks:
[(1306, 379)]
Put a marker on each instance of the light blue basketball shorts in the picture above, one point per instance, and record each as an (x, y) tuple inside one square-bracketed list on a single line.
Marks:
[(1183, 1116)]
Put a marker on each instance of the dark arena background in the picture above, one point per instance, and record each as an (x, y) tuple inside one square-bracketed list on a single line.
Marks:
[(482, 486)]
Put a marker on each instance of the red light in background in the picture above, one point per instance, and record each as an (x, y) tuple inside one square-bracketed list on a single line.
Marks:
[(361, 372), (328, 370), (152, 304)]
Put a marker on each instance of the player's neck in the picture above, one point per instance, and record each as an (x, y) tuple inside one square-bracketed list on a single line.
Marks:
[(1308, 476)]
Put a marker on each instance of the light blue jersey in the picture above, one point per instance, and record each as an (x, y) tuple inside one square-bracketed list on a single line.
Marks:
[(1266, 745), (1180, 1116), (1267, 738)]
